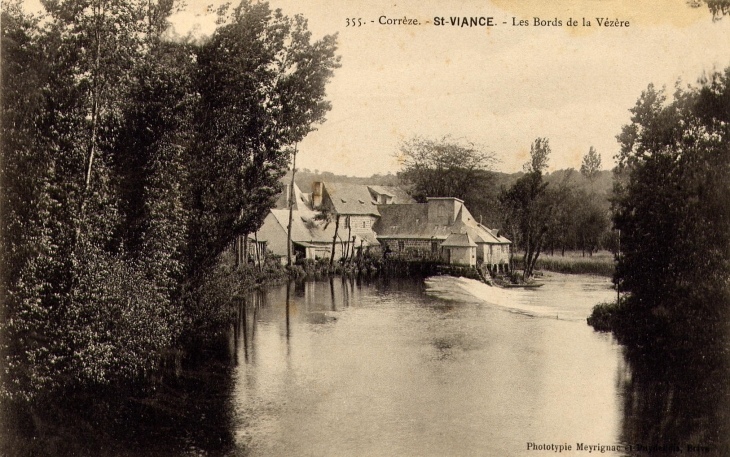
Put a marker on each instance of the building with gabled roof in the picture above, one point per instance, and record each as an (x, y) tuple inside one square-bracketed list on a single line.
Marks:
[(387, 195), (356, 206), (420, 229), (460, 249), (310, 238), (380, 216), (348, 199), (301, 201)]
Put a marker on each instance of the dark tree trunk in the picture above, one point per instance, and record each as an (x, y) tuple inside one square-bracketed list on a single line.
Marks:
[(245, 248), (349, 237), (291, 208), (334, 239)]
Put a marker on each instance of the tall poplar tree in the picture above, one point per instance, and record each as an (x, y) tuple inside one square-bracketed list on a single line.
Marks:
[(262, 86)]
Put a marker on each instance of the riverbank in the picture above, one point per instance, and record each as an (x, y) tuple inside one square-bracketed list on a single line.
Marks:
[(600, 264), (367, 265)]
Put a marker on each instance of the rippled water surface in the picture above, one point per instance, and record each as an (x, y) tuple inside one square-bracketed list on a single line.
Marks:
[(403, 368)]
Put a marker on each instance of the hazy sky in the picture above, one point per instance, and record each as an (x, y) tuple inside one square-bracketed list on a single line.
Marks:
[(500, 86)]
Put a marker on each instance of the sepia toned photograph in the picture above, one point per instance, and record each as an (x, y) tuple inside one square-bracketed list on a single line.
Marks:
[(365, 228)]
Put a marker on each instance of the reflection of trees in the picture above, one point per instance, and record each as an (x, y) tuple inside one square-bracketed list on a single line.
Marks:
[(188, 412), (677, 402)]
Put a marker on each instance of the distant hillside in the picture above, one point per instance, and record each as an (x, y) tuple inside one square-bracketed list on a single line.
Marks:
[(602, 185), (305, 178)]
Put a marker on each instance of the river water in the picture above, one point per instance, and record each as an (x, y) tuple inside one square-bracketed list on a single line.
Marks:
[(410, 367), (449, 366)]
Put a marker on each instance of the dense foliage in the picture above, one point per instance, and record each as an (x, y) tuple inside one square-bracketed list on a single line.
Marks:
[(673, 189), (446, 167), (130, 164)]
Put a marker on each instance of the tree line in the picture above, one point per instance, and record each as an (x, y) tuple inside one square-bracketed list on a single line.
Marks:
[(536, 210), (131, 161)]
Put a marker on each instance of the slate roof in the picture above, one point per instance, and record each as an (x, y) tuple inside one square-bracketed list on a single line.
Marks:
[(369, 239), (304, 228), (495, 234), (398, 194), (410, 221), (302, 200), (458, 240), (352, 199)]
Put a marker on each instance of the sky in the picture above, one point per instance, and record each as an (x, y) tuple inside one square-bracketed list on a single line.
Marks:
[(500, 86)]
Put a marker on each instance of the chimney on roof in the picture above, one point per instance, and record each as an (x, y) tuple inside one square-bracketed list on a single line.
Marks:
[(317, 191), (443, 210)]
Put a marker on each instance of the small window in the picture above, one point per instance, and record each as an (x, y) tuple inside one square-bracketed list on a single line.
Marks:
[(401, 246)]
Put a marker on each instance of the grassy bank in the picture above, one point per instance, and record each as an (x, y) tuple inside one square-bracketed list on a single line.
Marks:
[(601, 263)]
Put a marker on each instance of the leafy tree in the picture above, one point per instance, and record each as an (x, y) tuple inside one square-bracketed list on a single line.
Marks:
[(327, 214), (148, 162), (539, 156), (262, 88), (718, 8), (591, 166), (562, 231), (673, 185), (130, 163), (591, 224), (33, 260), (79, 313), (444, 168), (528, 206)]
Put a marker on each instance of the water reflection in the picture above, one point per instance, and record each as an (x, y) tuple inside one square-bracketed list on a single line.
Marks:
[(407, 368), (680, 405), (188, 414), (382, 368), (337, 368)]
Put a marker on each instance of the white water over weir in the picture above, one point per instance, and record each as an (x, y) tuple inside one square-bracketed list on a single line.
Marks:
[(564, 297)]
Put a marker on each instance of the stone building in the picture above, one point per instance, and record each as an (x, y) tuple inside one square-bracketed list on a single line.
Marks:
[(376, 217), (355, 205), (460, 249), (419, 230)]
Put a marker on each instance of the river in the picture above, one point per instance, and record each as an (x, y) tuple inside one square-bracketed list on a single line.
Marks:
[(405, 368), (410, 367)]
